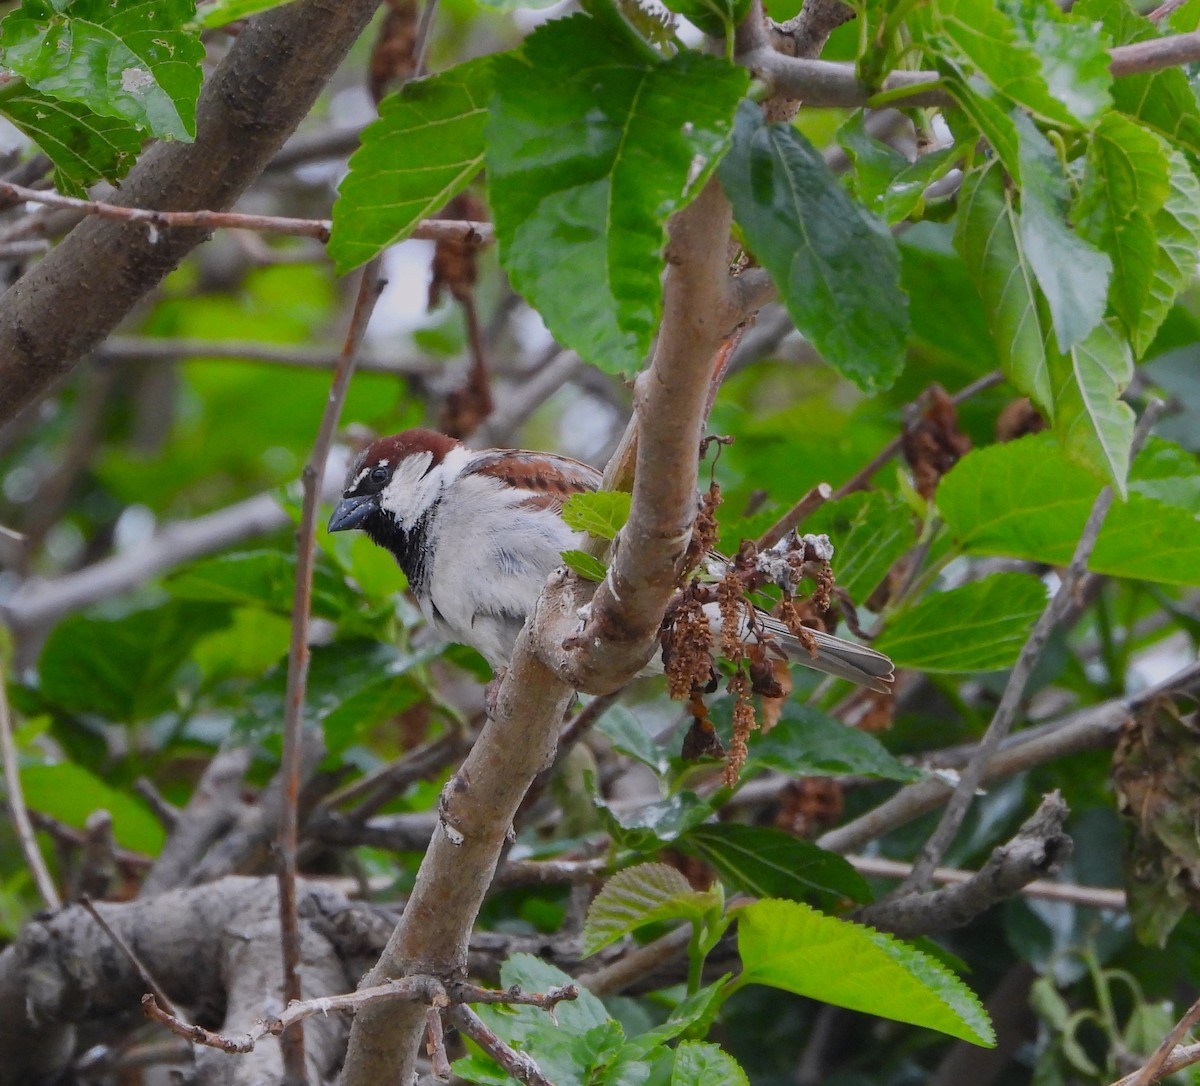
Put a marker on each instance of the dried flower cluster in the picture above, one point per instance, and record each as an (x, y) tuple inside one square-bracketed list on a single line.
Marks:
[(715, 588)]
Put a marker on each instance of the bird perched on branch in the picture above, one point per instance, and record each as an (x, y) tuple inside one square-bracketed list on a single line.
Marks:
[(477, 532)]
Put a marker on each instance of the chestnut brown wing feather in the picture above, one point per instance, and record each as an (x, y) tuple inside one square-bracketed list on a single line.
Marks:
[(549, 480)]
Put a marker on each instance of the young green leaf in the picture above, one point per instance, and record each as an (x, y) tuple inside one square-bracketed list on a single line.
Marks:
[(700, 1063), (656, 825), (642, 895), (588, 566), (977, 627), (135, 60), (1072, 274), (82, 145), (766, 862), (593, 142), (1093, 422), (601, 513), (1164, 100), (1177, 228), (695, 1012), (987, 238), (223, 12), (1125, 184), (787, 945), (835, 264), (424, 148)]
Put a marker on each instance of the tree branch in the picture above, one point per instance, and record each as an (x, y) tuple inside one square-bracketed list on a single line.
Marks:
[(833, 84), (269, 80), (1040, 848)]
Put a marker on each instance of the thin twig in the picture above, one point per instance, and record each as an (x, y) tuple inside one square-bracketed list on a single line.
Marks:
[(1096, 897), (517, 1064), (143, 973), (370, 285), (1152, 1069), (424, 31), (18, 810), (1183, 1056), (435, 1047), (417, 988), (1014, 691), (805, 507), (479, 233)]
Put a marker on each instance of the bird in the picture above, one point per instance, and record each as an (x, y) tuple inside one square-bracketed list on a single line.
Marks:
[(477, 532)]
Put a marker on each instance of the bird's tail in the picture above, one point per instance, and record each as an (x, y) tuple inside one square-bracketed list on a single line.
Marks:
[(834, 655)]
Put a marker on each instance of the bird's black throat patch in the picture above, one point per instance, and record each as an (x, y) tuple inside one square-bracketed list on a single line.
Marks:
[(409, 546)]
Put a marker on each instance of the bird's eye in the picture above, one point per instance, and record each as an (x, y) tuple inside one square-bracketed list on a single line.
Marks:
[(379, 475)]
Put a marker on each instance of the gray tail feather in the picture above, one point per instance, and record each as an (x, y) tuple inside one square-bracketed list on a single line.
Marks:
[(836, 656)]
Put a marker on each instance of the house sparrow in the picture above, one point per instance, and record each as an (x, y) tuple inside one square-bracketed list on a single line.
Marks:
[(477, 533)]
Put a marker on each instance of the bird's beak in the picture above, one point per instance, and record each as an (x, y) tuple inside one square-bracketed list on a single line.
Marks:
[(351, 512)]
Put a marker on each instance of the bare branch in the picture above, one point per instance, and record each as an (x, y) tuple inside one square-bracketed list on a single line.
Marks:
[(129, 955), (1040, 848), (476, 233), (517, 1064), (370, 286), (17, 809), (1155, 1067), (1095, 897)]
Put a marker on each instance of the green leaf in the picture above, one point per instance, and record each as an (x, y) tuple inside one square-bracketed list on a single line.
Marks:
[(835, 264), (1026, 500), (424, 148), (531, 974), (700, 1063), (1125, 184), (716, 18), (987, 238), (697, 1010), (642, 895), (134, 60), (122, 668), (978, 627), (1177, 229), (593, 142), (870, 532), (1094, 424), (1074, 58), (766, 862), (265, 579), (625, 731), (588, 566), (82, 145), (807, 743), (884, 180), (1162, 100), (1026, 52), (601, 513), (1168, 473), (223, 12), (655, 825), (1072, 274), (787, 945), (69, 793)]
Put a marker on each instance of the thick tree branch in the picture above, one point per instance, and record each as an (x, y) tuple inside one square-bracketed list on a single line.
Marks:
[(270, 79)]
